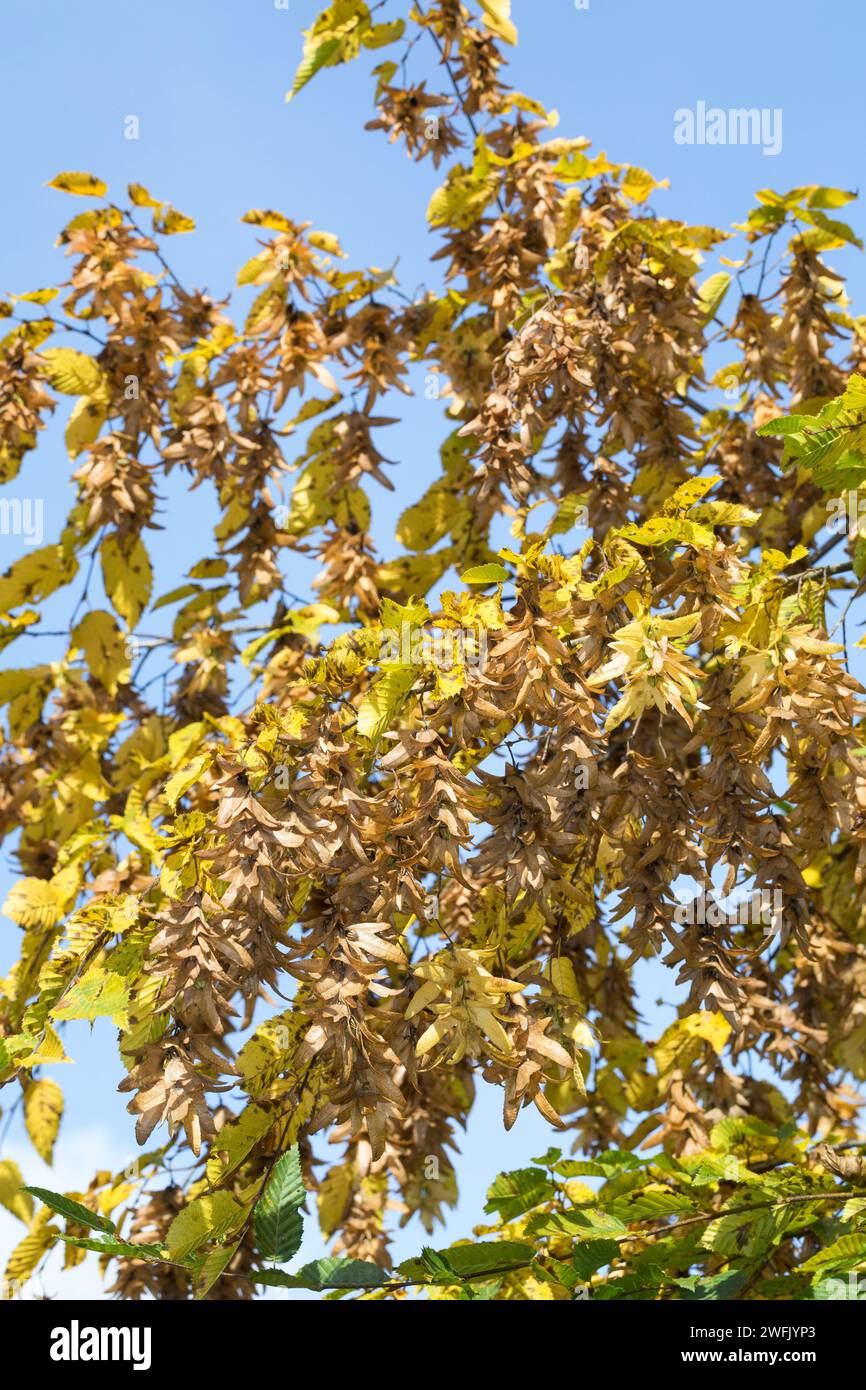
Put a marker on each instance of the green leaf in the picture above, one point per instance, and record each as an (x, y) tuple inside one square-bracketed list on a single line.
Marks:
[(328, 1273), (98, 994), (73, 1211), (384, 699), (155, 1254), (473, 1261), (206, 1218), (587, 1224), (699, 1287), (846, 1253), (277, 1220), (311, 64), (216, 1263), (486, 574), (712, 292), (514, 1193), (592, 1256)]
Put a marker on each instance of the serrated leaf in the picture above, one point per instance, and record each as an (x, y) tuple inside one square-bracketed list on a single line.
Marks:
[(43, 1109), (311, 63), (104, 649), (514, 1193), (486, 574), (215, 1265), (98, 994), (127, 575), (71, 1210), (184, 778), (74, 373), (206, 1218), (328, 1273), (33, 902), (474, 1261), (14, 1196), (497, 18), (85, 185), (383, 700), (277, 1220), (711, 293)]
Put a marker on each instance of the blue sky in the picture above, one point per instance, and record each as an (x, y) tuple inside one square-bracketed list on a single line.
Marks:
[(206, 80)]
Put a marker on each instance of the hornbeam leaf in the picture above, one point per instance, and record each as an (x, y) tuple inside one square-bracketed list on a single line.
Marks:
[(486, 574), (277, 1219), (86, 185), (13, 1193), (43, 1108), (497, 18), (712, 292), (474, 1261), (328, 1273), (216, 1264), (72, 1210), (311, 64), (206, 1218), (98, 994), (517, 1192), (154, 1254)]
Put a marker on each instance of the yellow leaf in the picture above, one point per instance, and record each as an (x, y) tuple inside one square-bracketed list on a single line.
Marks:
[(497, 18), (204, 1218), (43, 1107), (680, 1044), (84, 425), (266, 217), (486, 574), (235, 1140), (35, 297), (563, 979), (325, 241), (185, 778), (98, 994), (382, 34), (333, 1197), (87, 185), (49, 1051), (100, 639), (141, 197), (75, 373), (170, 222), (14, 683), (12, 1197), (33, 902), (127, 576), (423, 524), (26, 1256), (36, 575), (384, 699)]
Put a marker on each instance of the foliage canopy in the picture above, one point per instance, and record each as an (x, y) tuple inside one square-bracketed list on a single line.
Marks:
[(451, 804)]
